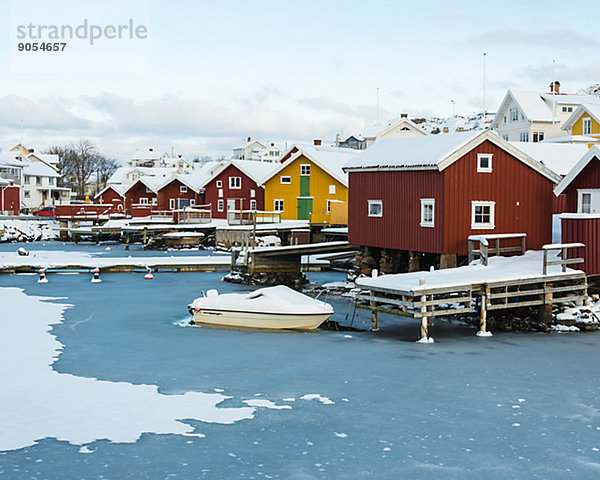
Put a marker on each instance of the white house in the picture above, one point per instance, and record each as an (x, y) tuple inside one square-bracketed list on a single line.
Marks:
[(249, 151), (529, 116)]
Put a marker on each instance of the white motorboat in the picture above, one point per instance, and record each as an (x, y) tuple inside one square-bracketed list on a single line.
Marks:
[(271, 308)]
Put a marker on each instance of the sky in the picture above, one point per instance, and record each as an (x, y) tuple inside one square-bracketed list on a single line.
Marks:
[(207, 74)]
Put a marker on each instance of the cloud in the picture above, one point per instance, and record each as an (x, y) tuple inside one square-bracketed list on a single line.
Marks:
[(560, 38), (45, 114)]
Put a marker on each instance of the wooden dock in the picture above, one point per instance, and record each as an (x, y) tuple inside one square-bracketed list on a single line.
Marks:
[(530, 280)]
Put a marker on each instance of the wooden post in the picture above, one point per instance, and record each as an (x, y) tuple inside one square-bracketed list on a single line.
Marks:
[(144, 236), (413, 262), (483, 310), (545, 310), (545, 266), (127, 241), (373, 304), (424, 320)]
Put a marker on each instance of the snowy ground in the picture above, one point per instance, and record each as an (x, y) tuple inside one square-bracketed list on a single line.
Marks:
[(12, 230), (324, 405)]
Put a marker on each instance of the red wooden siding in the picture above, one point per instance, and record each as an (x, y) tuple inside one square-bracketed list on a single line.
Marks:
[(212, 192), (589, 177), (137, 191), (523, 199), (111, 197), (9, 199), (173, 191), (586, 231), (401, 193), (559, 204)]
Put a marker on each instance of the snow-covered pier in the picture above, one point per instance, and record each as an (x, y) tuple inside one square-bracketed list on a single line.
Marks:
[(527, 280)]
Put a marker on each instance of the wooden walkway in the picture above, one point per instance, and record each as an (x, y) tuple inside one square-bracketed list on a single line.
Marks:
[(530, 280)]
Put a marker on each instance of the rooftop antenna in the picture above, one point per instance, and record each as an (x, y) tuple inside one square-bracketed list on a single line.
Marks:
[(483, 109), (553, 94), (377, 105)]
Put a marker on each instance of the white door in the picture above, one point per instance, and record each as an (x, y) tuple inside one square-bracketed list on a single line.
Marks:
[(230, 204), (588, 201)]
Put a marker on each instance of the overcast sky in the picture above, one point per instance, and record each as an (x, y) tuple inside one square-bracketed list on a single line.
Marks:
[(209, 74)]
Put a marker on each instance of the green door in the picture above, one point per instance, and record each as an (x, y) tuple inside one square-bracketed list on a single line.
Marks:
[(304, 186), (304, 208)]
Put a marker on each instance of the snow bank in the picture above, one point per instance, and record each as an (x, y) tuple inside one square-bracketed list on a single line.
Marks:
[(38, 402), (25, 231)]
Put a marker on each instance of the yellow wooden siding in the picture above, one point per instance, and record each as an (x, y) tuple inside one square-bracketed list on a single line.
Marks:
[(319, 191), (578, 126)]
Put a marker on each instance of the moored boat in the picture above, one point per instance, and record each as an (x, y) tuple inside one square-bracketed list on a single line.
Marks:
[(270, 308)]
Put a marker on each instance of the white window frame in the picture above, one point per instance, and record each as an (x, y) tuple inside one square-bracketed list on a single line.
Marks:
[(252, 204), (219, 183), (252, 193), (331, 189), (523, 136), (483, 226), (514, 114), (144, 201), (26, 194), (220, 193), (374, 203), (192, 202), (235, 183), (171, 204), (427, 202), (220, 205), (328, 206), (182, 189), (278, 205), (538, 137), (594, 195), (154, 200), (586, 127), (482, 156), (305, 169), (285, 179)]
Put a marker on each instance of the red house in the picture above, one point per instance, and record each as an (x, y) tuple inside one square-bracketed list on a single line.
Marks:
[(417, 199), (581, 223), (237, 186), (141, 196), (112, 195), (178, 193), (10, 201)]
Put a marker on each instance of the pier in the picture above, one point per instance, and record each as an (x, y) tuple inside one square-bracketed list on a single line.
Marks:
[(534, 279)]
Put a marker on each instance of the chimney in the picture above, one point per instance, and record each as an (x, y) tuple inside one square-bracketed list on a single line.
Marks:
[(151, 149), (179, 155), (272, 144), (404, 115), (317, 142), (249, 138), (555, 87)]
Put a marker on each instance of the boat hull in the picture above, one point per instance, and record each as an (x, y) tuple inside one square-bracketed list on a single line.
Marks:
[(260, 320)]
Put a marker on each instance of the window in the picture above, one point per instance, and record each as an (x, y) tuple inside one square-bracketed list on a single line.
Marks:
[(252, 193), (220, 192), (482, 215), (26, 194), (375, 208), (143, 201), (192, 202), (586, 203), (504, 118), (182, 189), (38, 180), (305, 169), (587, 125), (538, 136), (252, 204), (278, 205), (524, 136), (567, 109), (505, 137), (172, 203), (148, 190), (154, 201), (484, 162), (331, 189), (219, 183), (428, 212), (235, 183), (514, 114), (27, 179), (220, 205), (230, 204), (285, 179), (328, 206)]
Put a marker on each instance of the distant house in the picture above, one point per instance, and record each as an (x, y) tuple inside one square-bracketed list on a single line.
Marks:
[(178, 193), (416, 200), (581, 223), (142, 193), (112, 195), (403, 127), (237, 186), (529, 116), (584, 122), (249, 151), (355, 142), (310, 185)]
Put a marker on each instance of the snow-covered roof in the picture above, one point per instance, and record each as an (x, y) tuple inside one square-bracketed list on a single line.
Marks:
[(117, 187), (246, 145), (153, 183), (572, 139), (570, 99), (39, 169), (435, 152), (592, 109), (257, 171), (592, 153), (532, 105), (558, 157), (11, 159), (330, 159), (409, 124)]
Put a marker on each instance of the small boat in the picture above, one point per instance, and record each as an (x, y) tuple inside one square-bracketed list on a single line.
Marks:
[(270, 308)]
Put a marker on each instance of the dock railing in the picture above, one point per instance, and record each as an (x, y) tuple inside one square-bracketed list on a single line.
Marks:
[(564, 261), (485, 251), (250, 217), (195, 214)]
